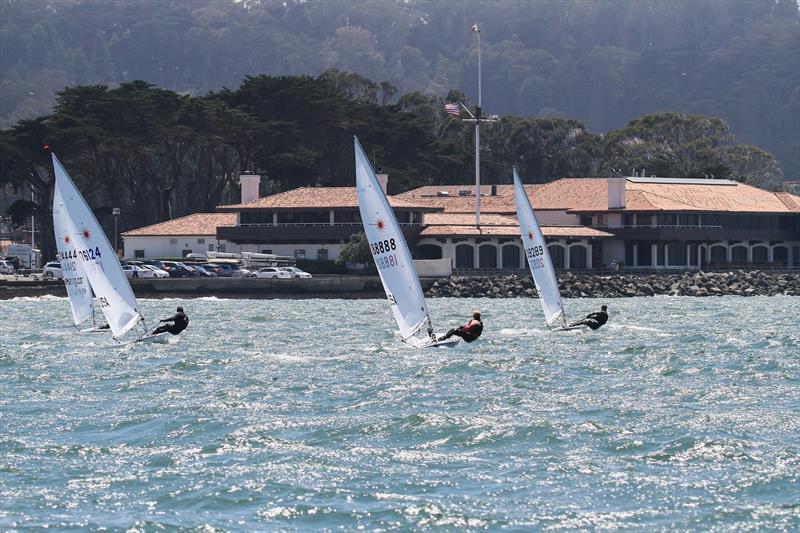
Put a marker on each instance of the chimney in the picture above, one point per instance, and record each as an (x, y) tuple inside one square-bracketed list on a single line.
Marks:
[(616, 193), (250, 184), (383, 179)]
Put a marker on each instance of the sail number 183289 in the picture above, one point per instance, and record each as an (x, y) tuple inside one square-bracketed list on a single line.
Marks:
[(535, 256)]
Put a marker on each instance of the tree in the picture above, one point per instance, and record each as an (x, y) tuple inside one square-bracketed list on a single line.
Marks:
[(356, 251)]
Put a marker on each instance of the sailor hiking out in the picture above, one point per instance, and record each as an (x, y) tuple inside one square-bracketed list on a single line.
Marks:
[(469, 331), (179, 323), (593, 320)]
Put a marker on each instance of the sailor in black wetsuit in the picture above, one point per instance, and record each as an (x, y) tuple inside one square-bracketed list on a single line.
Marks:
[(179, 323), (593, 320), (469, 331)]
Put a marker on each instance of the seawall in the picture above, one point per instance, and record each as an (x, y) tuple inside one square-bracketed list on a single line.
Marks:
[(582, 285)]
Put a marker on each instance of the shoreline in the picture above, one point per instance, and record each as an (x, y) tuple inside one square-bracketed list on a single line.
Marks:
[(573, 285)]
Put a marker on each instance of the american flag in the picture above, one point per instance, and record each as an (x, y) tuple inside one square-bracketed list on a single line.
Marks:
[(475, 28), (452, 109)]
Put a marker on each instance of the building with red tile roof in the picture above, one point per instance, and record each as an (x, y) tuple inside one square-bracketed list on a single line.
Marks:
[(639, 222)]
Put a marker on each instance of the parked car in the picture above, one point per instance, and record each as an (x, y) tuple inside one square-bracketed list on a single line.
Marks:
[(227, 271), (52, 270), (159, 273), (203, 272), (181, 271), (238, 272), (215, 268), (296, 272), (6, 267), (136, 271), (158, 264), (270, 273)]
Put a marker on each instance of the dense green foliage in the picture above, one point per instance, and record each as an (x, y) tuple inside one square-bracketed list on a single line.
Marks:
[(158, 155), (603, 63)]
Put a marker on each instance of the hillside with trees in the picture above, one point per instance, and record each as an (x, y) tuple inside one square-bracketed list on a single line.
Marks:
[(601, 64)]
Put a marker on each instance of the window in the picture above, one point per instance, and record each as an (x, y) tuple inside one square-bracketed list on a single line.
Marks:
[(173, 242), (138, 254), (586, 220), (221, 248), (266, 251), (677, 254), (688, 220), (201, 241), (322, 254), (300, 253), (210, 247), (644, 254), (627, 219), (644, 220), (693, 252), (667, 219)]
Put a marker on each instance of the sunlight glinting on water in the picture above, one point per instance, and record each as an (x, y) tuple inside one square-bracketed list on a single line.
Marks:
[(308, 414)]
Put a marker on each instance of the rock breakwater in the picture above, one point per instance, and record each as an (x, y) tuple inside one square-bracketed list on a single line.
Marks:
[(585, 285)]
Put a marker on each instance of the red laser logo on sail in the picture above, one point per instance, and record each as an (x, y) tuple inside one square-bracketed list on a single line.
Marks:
[(530, 235), (86, 233), (380, 224), (67, 239)]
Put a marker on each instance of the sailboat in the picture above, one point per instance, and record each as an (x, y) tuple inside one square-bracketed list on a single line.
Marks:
[(544, 276), (79, 292), (90, 262), (393, 258)]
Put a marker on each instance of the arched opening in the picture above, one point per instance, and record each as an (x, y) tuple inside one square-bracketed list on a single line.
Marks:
[(511, 256), (577, 257), (556, 255), (428, 251), (780, 255), (465, 256), (718, 254), (487, 256), (739, 254), (760, 254)]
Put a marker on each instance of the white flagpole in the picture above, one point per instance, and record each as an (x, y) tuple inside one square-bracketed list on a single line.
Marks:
[(477, 30)]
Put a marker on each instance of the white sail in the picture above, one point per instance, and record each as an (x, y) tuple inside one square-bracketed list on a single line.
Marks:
[(389, 250), (538, 256), (97, 257), (78, 290)]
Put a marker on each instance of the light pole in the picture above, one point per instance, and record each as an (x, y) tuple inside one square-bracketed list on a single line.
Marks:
[(115, 211), (477, 32)]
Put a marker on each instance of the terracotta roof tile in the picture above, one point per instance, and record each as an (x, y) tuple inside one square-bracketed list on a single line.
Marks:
[(468, 219), (791, 201), (195, 224), (591, 195), (318, 198), (459, 224), (511, 231), (433, 191)]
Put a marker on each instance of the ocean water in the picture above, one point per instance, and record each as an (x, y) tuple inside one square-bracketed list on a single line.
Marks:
[(306, 415)]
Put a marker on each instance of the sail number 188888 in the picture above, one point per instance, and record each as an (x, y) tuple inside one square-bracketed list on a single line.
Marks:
[(382, 252)]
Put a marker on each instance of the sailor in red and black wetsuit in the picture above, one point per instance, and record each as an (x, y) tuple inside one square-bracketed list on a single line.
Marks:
[(469, 331)]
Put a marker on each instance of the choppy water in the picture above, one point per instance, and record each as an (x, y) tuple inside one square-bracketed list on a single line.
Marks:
[(682, 413)]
